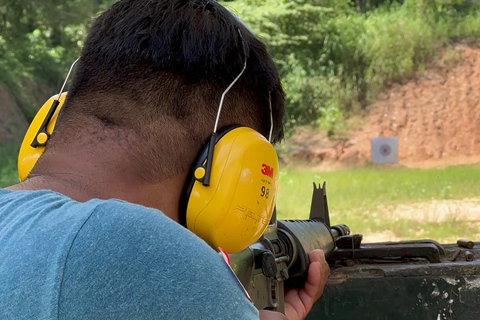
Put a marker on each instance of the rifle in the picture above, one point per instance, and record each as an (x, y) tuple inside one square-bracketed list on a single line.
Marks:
[(280, 257)]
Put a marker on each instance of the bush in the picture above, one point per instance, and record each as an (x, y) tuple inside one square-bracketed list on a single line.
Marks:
[(38, 43), (8, 165), (335, 56)]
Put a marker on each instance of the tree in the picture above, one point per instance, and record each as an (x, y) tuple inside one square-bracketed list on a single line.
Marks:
[(38, 42)]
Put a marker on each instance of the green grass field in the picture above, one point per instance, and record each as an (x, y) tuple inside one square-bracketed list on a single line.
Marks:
[(370, 200)]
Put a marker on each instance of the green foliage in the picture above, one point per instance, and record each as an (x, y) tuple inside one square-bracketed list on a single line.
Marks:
[(39, 41), (335, 56), (395, 42), (8, 165)]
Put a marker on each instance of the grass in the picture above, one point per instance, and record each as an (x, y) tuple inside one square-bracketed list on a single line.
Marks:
[(366, 199)]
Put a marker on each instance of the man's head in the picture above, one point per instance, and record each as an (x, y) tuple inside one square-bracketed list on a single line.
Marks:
[(151, 73)]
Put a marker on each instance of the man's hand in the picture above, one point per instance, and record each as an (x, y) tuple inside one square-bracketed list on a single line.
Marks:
[(298, 302)]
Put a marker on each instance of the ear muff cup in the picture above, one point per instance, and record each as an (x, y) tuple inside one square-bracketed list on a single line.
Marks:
[(28, 155), (234, 211)]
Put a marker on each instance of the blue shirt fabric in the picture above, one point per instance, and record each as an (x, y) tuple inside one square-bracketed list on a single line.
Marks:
[(107, 259)]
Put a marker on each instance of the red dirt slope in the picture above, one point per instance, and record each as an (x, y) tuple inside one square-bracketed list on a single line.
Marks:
[(435, 115)]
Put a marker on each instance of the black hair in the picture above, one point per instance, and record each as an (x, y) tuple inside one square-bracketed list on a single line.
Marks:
[(147, 59)]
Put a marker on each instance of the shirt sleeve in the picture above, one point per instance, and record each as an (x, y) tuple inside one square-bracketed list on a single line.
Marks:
[(131, 262)]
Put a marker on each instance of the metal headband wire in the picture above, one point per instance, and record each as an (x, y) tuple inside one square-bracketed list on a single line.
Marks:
[(231, 84), (213, 136), (68, 75), (271, 116)]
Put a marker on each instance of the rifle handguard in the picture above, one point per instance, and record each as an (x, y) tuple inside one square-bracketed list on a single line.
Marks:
[(300, 237)]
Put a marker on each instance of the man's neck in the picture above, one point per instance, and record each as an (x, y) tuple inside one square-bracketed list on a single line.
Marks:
[(86, 176)]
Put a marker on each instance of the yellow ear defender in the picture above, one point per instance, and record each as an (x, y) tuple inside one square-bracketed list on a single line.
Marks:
[(229, 197), (235, 209), (38, 134), (40, 130)]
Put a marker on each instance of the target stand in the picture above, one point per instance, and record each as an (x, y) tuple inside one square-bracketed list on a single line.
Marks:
[(385, 150)]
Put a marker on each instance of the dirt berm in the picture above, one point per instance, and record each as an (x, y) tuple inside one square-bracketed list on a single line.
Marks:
[(435, 115)]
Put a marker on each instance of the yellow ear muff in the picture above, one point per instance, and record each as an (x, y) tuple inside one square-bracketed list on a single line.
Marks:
[(234, 211), (35, 139)]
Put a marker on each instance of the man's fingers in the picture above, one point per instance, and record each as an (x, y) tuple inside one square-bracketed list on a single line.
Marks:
[(317, 255), (310, 291), (299, 302), (318, 273)]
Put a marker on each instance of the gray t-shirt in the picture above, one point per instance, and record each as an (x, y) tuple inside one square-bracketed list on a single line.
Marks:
[(107, 259)]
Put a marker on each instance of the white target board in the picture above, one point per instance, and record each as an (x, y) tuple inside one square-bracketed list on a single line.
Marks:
[(385, 150)]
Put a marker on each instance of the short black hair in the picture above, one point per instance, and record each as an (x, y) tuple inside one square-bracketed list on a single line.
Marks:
[(174, 58)]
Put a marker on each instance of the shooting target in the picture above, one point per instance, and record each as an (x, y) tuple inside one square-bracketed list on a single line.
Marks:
[(385, 150)]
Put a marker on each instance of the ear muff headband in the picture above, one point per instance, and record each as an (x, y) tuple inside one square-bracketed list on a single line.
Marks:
[(28, 155), (234, 211)]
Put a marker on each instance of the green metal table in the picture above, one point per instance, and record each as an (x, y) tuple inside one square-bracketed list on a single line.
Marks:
[(404, 289)]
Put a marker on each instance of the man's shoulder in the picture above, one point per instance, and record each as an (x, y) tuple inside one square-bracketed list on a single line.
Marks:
[(46, 203), (59, 207), (129, 261), (141, 235), (110, 259), (113, 217), (130, 221)]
